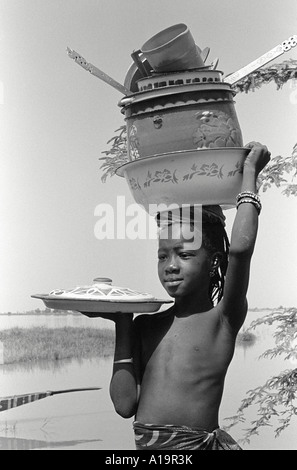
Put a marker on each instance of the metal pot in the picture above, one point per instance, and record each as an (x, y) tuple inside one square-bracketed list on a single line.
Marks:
[(181, 111)]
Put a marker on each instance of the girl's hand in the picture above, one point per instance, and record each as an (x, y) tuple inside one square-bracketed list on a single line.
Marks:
[(257, 158)]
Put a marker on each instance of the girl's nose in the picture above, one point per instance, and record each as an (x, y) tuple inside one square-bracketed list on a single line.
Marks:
[(172, 267)]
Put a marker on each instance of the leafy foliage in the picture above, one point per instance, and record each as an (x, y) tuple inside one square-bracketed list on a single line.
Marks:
[(278, 73), (277, 398), (279, 172), (117, 155)]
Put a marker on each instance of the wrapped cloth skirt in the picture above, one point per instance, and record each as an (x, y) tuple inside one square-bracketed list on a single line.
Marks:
[(167, 437)]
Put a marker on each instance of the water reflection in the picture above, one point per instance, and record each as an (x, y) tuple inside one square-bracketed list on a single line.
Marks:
[(246, 339), (14, 443), (37, 366), (79, 420), (87, 420)]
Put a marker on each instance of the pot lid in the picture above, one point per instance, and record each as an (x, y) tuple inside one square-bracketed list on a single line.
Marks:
[(102, 289)]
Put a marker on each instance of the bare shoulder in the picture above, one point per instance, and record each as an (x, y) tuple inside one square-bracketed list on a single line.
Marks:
[(146, 318), (151, 324)]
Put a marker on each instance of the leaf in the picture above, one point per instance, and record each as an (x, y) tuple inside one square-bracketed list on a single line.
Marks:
[(277, 397), (279, 73)]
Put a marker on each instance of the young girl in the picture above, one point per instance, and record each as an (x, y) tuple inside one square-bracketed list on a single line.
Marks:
[(169, 368)]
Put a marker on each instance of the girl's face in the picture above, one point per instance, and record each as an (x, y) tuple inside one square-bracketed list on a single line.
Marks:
[(183, 270)]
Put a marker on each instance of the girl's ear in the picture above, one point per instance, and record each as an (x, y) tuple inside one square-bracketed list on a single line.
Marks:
[(216, 260)]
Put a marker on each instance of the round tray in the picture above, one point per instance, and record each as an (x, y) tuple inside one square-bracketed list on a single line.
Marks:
[(93, 308)]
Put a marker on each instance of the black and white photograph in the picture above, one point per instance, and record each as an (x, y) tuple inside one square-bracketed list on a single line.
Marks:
[(148, 214)]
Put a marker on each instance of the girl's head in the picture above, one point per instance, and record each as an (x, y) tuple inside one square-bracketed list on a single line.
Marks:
[(186, 270)]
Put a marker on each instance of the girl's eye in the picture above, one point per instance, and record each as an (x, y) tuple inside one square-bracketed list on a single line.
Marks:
[(185, 255), (161, 257)]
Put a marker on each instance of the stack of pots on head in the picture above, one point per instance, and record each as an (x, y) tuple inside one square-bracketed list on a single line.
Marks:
[(184, 140)]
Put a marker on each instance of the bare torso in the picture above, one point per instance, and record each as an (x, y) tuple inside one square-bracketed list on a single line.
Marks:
[(184, 361)]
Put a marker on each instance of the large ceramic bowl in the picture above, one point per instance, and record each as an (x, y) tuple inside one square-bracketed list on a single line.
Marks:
[(203, 176)]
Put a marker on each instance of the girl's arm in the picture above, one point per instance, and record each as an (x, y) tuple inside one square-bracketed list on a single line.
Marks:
[(244, 232), (123, 386)]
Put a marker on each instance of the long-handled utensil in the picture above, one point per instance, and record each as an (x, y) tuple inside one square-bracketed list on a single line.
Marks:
[(232, 78), (285, 46), (97, 72)]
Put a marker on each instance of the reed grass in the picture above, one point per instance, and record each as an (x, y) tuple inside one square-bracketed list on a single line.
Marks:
[(52, 344), (42, 343)]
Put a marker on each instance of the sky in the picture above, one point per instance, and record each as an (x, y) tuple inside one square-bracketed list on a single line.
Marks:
[(56, 119)]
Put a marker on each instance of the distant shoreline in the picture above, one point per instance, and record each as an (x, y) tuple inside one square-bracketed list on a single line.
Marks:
[(48, 311), (42, 312)]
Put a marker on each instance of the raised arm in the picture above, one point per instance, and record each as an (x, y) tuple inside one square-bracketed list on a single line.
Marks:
[(243, 237)]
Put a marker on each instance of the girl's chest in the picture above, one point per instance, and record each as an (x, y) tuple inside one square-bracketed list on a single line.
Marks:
[(193, 336)]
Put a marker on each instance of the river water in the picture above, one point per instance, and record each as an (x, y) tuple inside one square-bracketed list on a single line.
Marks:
[(87, 421)]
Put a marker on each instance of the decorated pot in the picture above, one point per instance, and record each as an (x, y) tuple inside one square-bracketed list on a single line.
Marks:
[(181, 111)]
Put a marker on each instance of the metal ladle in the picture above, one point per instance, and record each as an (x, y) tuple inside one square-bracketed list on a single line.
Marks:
[(97, 72), (285, 46)]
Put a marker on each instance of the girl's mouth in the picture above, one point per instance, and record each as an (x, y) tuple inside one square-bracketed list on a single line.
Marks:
[(173, 282)]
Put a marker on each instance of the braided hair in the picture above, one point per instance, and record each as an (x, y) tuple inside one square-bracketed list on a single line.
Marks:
[(215, 240)]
